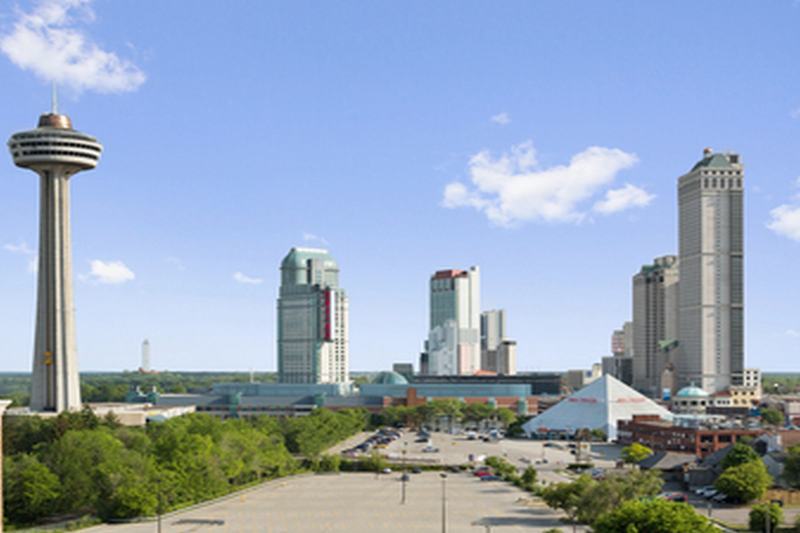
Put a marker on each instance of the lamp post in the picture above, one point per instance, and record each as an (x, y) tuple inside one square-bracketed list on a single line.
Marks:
[(405, 473), (3, 405), (444, 501)]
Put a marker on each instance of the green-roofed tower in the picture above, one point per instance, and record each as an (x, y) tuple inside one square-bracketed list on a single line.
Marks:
[(312, 319), (711, 254)]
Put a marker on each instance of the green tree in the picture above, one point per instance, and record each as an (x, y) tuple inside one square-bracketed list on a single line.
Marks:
[(567, 496), (506, 416), (791, 470), (739, 454), (746, 482), (636, 453), (761, 513), (772, 416), (477, 412), (611, 492), (30, 489), (652, 516)]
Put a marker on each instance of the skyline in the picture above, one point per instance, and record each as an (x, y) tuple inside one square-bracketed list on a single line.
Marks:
[(359, 120)]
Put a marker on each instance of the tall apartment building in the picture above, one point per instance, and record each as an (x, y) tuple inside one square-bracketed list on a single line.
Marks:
[(453, 345), (493, 332), (655, 322), (711, 298), (312, 319)]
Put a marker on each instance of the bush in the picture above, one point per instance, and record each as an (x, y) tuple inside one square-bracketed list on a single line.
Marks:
[(746, 482), (763, 512), (329, 463)]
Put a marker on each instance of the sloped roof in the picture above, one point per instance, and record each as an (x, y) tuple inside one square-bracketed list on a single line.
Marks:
[(599, 405), (664, 460)]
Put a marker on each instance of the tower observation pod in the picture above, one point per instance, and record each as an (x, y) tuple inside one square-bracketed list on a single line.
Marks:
[(55, 152)]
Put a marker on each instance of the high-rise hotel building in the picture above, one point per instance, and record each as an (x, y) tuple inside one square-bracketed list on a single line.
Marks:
[(655, 323), (711, 295), (312, 319), (453, 345)]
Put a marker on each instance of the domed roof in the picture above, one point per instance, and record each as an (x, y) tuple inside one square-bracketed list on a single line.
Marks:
[(692, 392), (389, 378)]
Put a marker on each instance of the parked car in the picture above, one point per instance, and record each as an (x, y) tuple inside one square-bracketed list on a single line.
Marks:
[(405, 477), (491, 477), (710, 493), (387, 471), (416, 470), (678, 497), (719, 497), (430, 449), (421, 439)]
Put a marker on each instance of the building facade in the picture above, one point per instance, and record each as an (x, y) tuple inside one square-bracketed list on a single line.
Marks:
[(661, 435), (493, 332), (655, 322), (453, 345), (711, 296), (313, 333)]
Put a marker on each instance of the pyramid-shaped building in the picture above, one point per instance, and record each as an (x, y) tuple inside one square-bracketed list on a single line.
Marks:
[(599, 405)]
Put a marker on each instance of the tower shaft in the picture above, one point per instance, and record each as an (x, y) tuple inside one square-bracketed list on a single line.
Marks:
[(55, 385)]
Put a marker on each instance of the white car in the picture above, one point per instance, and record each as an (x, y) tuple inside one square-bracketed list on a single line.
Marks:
[(430, 449)]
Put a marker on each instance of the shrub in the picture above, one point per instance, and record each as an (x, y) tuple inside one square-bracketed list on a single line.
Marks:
[(763, 512)]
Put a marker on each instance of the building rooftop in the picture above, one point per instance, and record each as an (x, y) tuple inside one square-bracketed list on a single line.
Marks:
[(717, 160)]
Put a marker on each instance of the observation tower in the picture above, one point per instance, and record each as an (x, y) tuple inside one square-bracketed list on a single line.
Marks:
[(55, 152)]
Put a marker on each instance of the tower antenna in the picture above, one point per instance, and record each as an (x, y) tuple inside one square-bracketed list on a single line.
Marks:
[(54, 100)]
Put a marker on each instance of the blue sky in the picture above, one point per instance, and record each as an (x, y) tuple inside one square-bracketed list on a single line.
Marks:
[(234, 131)]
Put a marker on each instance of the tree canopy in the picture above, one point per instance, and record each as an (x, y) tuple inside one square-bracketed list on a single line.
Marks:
[(635, 453), (745, 482), (653, 516), (739, 454), (76, 463)]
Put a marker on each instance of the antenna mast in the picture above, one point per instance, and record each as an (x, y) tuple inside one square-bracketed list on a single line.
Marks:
[(54, 100)]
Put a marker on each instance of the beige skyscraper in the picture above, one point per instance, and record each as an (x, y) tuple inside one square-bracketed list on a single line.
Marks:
[(655, 322), (56, 152), (711, 297)]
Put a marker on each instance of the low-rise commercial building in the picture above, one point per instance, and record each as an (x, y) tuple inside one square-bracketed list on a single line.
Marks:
[(661, 435)]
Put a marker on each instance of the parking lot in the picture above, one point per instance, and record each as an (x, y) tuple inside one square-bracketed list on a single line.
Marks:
[(550, 459), (362, 502)]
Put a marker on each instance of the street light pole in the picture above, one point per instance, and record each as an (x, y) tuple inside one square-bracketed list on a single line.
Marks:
[(3, 405), (444, 502), (405, 472)]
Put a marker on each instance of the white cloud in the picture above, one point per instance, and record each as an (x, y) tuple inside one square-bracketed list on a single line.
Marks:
[(47, 42), (22, 248), (310, 237), (626, 197), (513, 187), (792, 333), (242, 278), (109, 272), (501, 118), (785, 220)]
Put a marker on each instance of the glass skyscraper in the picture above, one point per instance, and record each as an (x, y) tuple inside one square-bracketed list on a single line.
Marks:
[(312, 319)]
